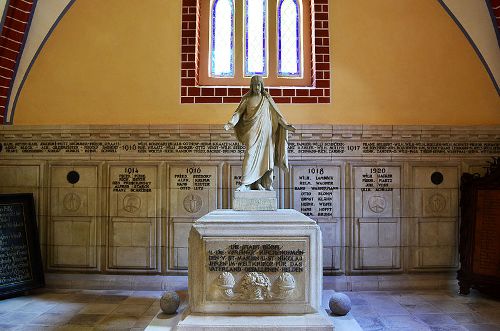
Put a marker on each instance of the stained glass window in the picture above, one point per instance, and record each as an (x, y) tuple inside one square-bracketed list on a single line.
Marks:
[(222, 37), (289, 38), (255, 37)]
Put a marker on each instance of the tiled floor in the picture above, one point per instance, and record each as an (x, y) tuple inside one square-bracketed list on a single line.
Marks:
[(425, 310), (53, 309), (80, 310)]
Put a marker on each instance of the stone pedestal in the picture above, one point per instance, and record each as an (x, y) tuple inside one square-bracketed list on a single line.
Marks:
[(255, 200), (255, 270)]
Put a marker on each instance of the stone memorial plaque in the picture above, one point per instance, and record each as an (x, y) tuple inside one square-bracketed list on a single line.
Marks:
[(253, 269), (192, 194), (133, 217), (377, 227), (73, 223), (316, 190), (377, 191), (132, 191), (193, 190), (434, 210), (20, 260)]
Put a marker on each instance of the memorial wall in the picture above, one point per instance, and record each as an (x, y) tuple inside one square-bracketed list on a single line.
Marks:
[(122, 199)]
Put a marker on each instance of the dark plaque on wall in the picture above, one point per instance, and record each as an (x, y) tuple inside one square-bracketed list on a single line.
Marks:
[(20, 259), (479, 246)]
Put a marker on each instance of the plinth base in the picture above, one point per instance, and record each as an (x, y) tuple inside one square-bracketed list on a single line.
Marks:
[(255, 200), (317, 322)]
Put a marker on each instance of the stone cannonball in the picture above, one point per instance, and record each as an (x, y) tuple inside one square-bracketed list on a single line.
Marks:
[(169, 302), (340, 304)]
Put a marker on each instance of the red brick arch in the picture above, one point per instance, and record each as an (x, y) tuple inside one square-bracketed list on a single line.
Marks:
[(18, 16)]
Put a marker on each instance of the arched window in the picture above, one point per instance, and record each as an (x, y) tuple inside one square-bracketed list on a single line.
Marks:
[(255, 37), (289, 38), (222, 39), (249, 37)]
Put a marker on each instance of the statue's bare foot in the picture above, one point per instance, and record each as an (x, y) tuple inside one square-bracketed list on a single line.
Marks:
[(261, 188), (243, 188)]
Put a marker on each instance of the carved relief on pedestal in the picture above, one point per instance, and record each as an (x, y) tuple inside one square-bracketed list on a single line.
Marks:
[(225, 285), (254, 286)]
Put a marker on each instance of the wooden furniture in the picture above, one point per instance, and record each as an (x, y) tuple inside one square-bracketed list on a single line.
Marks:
[(479, 246)]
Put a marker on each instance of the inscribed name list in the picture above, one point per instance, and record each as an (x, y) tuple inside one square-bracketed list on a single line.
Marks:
[(14, 256), (316, 190), (193, 190)]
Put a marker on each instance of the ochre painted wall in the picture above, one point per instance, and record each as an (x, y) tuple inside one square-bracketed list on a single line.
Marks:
[(393, 62)]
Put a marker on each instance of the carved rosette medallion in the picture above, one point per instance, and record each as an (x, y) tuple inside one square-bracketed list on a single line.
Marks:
[(255, 286), (192, 203), (436, 203), (131, 203), (377, 204), (72, 202), (225, 283), (284, 286)]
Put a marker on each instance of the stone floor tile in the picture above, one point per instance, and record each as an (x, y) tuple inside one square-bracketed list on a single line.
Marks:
[(98, 308), (478, 305), (11, 305), (155, 308), (67, 307), (452, 306), (112, 298), (436, 319), (36, 307), (482, 327), (52, 319), (143, 322), (132, 310), (448, 328), (390, 309), (370, 323), (36, 328), (490, 315), (75, 328), (407, 298), (114, 322), (421, 308), (83, 298), (86, 319), (138, 301), (467, 318), (363, 310), (357, 301), (403, 321), (17, 317)]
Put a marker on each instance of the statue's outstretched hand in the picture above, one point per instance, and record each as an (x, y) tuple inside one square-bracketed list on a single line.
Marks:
[(228, 126), (290, 127)]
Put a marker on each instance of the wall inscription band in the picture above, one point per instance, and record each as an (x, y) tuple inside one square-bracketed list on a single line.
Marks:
[(222, 148)]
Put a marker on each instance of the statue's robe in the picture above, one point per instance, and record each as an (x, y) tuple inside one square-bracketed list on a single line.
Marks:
[(263, 132)]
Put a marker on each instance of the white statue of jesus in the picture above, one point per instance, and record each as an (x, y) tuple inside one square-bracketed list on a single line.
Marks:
[(260, 126)]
